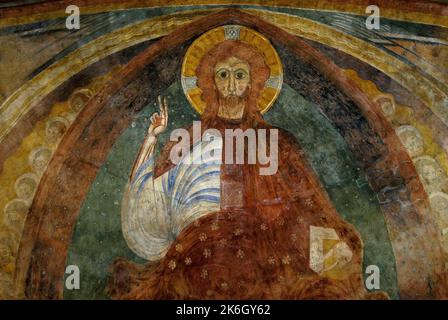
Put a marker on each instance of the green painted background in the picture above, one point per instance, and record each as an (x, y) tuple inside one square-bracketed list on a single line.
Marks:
[(98, 240)]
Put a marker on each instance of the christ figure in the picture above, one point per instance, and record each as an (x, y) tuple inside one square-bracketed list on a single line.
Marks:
[(215, 230)]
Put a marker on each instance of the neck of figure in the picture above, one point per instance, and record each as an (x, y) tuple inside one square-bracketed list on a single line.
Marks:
[(231, 108)]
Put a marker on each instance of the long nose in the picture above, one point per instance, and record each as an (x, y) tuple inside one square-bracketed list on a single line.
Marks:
[(232, 85)]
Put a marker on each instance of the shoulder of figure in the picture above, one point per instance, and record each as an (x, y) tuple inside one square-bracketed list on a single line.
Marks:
[(287, 141), (284, 135)]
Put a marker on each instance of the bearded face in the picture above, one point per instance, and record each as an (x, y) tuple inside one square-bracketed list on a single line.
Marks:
[(232, 80)]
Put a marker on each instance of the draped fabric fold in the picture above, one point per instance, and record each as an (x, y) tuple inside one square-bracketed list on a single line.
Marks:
[(258, 245)]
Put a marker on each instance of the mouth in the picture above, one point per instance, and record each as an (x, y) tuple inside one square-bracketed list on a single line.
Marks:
[(233, 94)]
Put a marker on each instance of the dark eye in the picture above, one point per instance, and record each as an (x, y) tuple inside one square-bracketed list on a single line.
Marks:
[(240, 75), (223, 74)]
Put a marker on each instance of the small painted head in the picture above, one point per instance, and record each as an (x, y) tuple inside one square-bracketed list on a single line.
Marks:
[(55, 129), (39, 158), (26, 185)]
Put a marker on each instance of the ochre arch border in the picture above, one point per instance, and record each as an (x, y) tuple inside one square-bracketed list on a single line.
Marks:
[(44, 246), (421, 11), (15, 108)]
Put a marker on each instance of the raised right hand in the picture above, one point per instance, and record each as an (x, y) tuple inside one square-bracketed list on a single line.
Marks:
[(159, 120)]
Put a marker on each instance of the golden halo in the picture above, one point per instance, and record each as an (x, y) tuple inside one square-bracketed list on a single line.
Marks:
[(209, 40)]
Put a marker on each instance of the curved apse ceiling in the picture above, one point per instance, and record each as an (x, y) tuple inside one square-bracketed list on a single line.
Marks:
[(361, 114)]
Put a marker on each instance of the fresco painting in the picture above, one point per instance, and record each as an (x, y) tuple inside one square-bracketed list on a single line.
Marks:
[(224, 150)]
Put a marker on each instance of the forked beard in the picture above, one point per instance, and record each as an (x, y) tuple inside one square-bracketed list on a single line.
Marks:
[(232, 107)]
